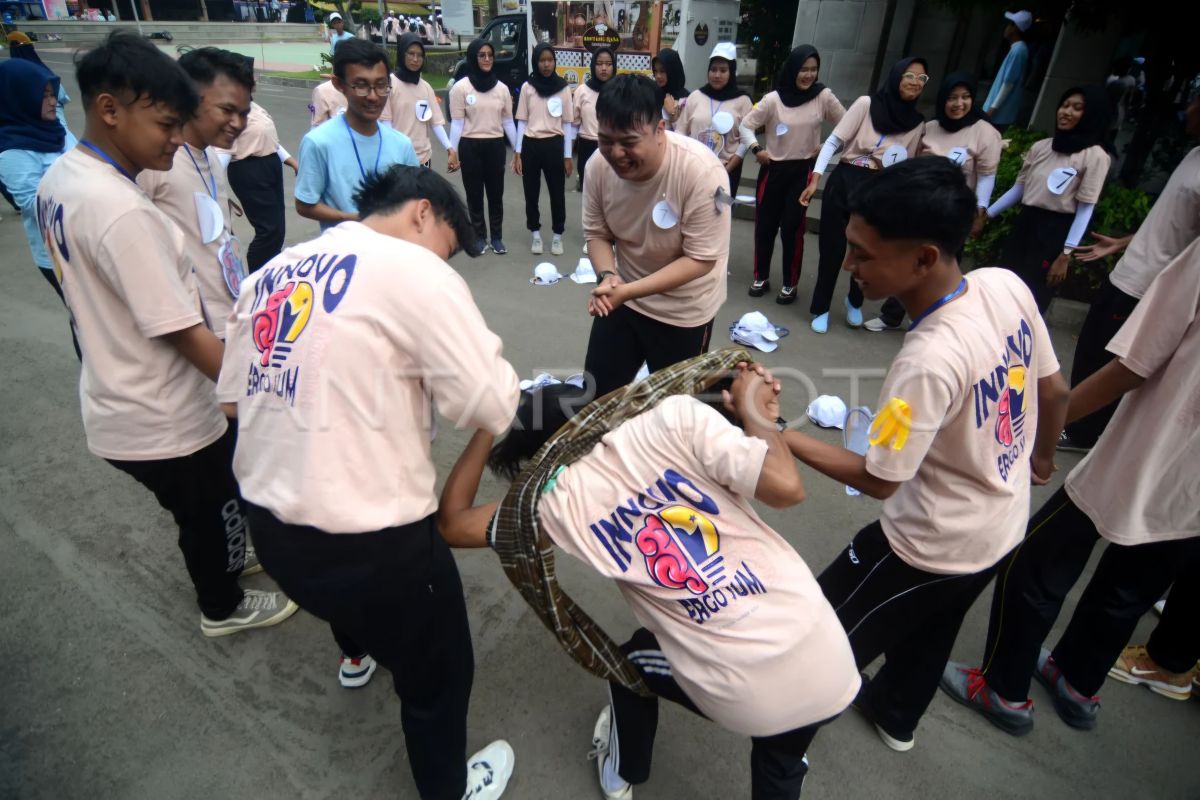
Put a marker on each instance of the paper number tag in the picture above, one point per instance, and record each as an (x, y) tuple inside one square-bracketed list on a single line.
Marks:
[(664, 216), (722, 122), (1060, 179), (471, 99), (209, 218), (424, 112), (781, 129), (958, 155), (894, 155), (554, 106)]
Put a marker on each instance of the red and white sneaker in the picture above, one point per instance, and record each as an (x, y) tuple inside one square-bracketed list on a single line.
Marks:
[(968, 686), (354, 673)]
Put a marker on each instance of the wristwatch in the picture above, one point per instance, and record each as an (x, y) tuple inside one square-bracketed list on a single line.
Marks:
[(600, 276), (1068, 250), (756, 148)]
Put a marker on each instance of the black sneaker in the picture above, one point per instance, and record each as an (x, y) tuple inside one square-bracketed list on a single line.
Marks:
[(900, 742), (786, 296), (968, 686), (1077, 710), (481, 247), (498, 247), (759, 288), (1068, 445)]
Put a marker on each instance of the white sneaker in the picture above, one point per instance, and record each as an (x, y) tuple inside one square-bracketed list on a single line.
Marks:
[(556, 247), (536, 247), (877, 325), (257, 610), (488, 771), (599, 753), (354, 673), (251, 566)]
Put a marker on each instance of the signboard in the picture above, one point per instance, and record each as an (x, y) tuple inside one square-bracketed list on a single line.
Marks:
[(601, 36)]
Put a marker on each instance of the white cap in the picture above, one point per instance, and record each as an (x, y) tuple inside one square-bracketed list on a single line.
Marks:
[(545, 274), (725, 50), (1022, 19), (584, 272), (541, 381), (828, 411), (755, 330), (333, 16)]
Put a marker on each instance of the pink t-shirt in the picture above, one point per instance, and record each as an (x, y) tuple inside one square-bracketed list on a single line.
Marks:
[(967, 379), (483, 113), (181, 192), (661, 506), (585, 112), (406, 101), (328, 102), (1141, 482), (865, 144), (975, 148), (541, 121), (334, 350), (794, 133), (259, 138), (696, 122), (128, 281), (1060, 181), (685, 188)]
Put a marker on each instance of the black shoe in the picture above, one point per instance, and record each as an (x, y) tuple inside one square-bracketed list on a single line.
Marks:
[(498, 246), (1068, 445), (759, 288), (786, 296), (900, 742)]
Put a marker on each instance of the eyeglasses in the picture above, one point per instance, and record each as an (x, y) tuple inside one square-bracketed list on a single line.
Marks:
[(364, 89), (912, 76), (486, 57)]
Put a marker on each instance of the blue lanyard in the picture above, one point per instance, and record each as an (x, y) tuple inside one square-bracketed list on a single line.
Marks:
[(378, 152), (106, 157), (962, 287), (711, 112), (211, 183)]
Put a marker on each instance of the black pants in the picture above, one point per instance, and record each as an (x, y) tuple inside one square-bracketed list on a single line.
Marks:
[(48, 274), (544, 157), (735, 179), (1036, 240), (1034, 580), (1104, 318), (483, 163), (912, 616), (622, 341), (202, 495), (258, 183), (1175, 643), (777, 763), (584, 149), (892, 312), (398, 594), (777, 210), (834, 218)]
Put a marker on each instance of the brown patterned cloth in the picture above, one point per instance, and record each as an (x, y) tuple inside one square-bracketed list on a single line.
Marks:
[(527, 555)]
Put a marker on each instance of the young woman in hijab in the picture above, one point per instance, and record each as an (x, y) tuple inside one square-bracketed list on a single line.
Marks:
[(963, 134), (878, 131), (672, 91), (25, 51), (1058, 187), (31, 139), (792, 116), (604, 66), (480, 118), (416, 110), (713, 113), (545, 131)]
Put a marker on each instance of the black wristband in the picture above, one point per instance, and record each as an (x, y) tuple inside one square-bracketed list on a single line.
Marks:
[(600, 276)]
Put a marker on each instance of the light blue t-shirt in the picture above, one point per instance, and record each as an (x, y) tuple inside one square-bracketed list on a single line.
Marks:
[(22, 171), (337, 38), (331, 170), (1011, 71)]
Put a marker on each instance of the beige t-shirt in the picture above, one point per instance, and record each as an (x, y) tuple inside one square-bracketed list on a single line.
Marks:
[(967, 375), (1141, 482), (179, 193), (406, 101), (335, 348), (696, 122), (259, 138), (863, 142), (794, 133), (975, 148), (328, 102), (684, 192), (127, 281), (584, 101), (1173, 223), (536, 111), (661, 506), (483, 113), (1059, 181)]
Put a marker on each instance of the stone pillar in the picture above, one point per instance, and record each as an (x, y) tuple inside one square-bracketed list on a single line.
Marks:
[(848, 33), (1078, 58)]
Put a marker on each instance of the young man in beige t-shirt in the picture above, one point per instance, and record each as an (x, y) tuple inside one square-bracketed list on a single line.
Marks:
[(654, 197), (149, 361), (969, 414)]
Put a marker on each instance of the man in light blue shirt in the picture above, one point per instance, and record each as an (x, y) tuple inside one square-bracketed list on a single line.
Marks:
[(337, 155), (1004, 100), (337, 31)]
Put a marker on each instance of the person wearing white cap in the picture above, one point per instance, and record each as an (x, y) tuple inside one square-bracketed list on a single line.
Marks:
[(337, 31), (1003, 102), (713, 113)]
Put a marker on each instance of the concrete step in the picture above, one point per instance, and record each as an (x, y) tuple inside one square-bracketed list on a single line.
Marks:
[(83, 34)]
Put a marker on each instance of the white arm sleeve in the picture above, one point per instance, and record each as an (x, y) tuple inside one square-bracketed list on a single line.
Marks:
[(1010, 199), (1083, 217), (440, 133), (1005, 88), (510, 131), (984, 187), (569, 132), (832, 145), (284, 155), (520, 135), (746, 139), (456, 129), (224, 157)]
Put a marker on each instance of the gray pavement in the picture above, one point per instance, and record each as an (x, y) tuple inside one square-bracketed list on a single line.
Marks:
[(110, 691)]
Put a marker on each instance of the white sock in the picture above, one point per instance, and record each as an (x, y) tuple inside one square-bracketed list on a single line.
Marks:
[(558, 237), (611, 781), (537, 236)]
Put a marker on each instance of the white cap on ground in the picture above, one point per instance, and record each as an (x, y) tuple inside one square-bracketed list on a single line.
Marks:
[(584, 272), (828, 411), (1022, 19), (545, 274), (755, 330)]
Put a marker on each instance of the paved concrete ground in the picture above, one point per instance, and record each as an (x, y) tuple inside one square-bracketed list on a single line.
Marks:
[(110, 691)]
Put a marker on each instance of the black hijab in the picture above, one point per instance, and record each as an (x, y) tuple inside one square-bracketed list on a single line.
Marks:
[(889, 112), (594, 83), (1092, 128), (673, 65), (402, 71), (730, 90), (785, 81), (545, 86), (952, 81), (482, 81)]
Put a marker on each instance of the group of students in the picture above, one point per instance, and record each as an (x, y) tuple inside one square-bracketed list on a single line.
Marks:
[(327, 359)]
